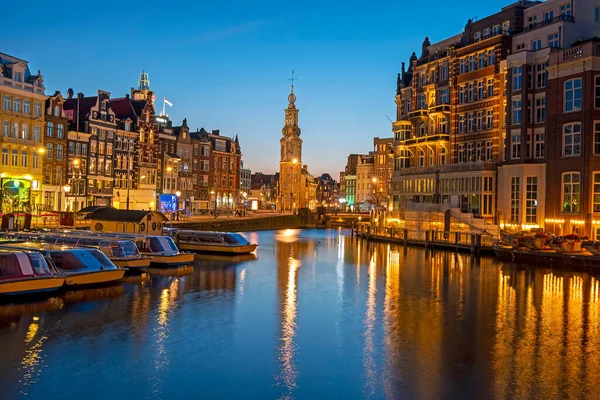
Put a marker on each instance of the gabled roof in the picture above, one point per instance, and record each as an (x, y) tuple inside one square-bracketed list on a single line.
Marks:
[(85, 105), (112, 214)]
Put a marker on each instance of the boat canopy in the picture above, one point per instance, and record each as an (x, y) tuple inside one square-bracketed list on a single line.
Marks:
[(22, 264)]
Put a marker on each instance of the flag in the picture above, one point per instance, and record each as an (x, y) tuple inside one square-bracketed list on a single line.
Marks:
[(168, 102)]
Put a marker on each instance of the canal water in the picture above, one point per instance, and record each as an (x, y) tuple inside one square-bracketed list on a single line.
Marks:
[(315, 314)]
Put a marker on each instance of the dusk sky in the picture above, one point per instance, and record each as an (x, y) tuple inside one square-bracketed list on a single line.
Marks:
[(226, 65)]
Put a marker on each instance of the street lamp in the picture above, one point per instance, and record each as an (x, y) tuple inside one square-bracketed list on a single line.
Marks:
[(177, 193), (212, 194), (245, 195), (67, 189)]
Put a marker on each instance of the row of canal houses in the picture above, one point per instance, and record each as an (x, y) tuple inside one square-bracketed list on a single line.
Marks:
[(501, 122), (80, 151)]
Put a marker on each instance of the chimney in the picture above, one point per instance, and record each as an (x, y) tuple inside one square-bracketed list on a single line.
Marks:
[(70, 93), (56, 93), (216, 132), (127, 96), (80, 95)]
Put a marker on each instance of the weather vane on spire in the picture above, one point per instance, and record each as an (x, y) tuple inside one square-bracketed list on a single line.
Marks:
[(293, 79)]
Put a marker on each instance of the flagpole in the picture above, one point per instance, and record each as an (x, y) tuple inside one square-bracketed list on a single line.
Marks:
[(163, 112)]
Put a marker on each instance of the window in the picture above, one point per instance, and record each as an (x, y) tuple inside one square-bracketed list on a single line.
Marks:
[(444, 72), (553, 40), (536, 44), (26, 107), (540, 141), (15, 158), (461, 95), (528, 146), (36, 160), (486, 33), (477, 36), (491, 57), (36, 134), (480, 90), (597, 137), (531, 200), (490, 119), (479, 151), (6, 103), (17, 105), (49, 150), (488, 150), (596, 189), (25, 131), (479, 120), (540, 110), (517, 78), (24, 158), (59, 131), (49, 129), (548, 15), (540, 75), (517, 112), (471, 92), (482, 60), (422, 101), (490, 87), (570, 192), (5, 128), (461, 124), (444, 96), (514, 199), (37, 109), (470, 122), (597, 92), (571, 140), (15, 130), (94, 146), (515, 152), (461, 153), (472, 63), (59, 151), (463, 68), (469, 152), (596, 14), (529, 111), (496, 29), (4, 156), (17, 76), (565, 10)]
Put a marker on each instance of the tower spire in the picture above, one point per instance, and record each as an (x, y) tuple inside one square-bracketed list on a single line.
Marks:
[(144, 82), (293, 79), (292, 96)]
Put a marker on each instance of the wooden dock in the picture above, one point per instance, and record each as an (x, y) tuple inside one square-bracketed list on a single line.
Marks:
[(455, 241)]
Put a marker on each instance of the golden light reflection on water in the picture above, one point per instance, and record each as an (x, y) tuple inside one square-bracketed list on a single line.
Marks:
[(30, 364), (166, 305), (369, 365), (287, 349), (391, 321)]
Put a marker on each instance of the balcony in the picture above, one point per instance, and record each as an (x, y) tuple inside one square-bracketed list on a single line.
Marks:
[(538, 25), (10, 139), (434, 137), (439, 109), (449, 168), (22, 86), (422, 113)]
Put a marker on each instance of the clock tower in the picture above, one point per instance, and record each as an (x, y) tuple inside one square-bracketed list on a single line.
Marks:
[(290, 163)]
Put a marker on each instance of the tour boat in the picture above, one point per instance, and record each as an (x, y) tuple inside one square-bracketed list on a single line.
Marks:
[(26, 272), (211, 242), (162, 249), (80, 266), (123, 253)]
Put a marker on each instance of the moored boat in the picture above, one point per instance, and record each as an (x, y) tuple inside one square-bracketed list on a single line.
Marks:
[(162, 250), (211, 242), (122, 252), (26, 272), (80, 266)]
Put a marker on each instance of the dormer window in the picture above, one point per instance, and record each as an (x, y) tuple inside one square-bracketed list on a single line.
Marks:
[(17, 77), (128, 126), (56, 111)]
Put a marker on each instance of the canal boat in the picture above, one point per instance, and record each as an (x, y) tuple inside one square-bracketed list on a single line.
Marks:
[(79, 266), (123, 253), (162, 250), (27, 272), (211, 242)]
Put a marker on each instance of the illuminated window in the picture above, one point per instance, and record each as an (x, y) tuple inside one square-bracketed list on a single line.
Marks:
[(571, 191), (531, 199), (515, 152), (514, 199), (596, 190)]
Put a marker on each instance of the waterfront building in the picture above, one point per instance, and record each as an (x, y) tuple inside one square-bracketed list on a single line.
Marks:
[(350, 190), (450, 126), (541, 156), (168, 161), (383, 167), (200, 168), (327, 191), (21, 142), (245, 179), (224, 177), (185, 183), (78, 143), (93, 115), (365, 195), (55, 157)]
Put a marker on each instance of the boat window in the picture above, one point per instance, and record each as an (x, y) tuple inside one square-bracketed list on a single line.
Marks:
[(67, 260), (39, 264), (155, 245), (231, 239), (129, 248), (105, 261), (9, 266), (116, 250), (168, 243)]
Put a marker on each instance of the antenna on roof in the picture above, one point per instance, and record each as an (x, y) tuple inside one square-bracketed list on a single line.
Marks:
[(389, 119)]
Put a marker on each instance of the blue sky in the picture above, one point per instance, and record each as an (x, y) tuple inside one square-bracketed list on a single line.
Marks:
[(226, 65)]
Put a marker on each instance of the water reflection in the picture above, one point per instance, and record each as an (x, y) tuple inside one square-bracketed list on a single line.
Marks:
[(314, 315)]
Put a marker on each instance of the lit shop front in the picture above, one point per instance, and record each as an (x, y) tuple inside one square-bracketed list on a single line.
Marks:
[(17, 193)]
